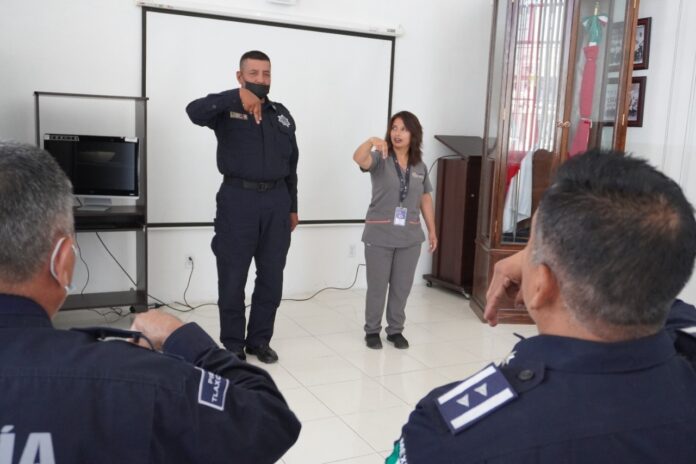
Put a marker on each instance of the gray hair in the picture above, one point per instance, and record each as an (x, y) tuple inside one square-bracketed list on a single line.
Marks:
[(36, 207), (621, 238)]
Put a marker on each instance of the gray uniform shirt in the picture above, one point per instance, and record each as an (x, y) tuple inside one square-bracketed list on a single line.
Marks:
[(380, 229)]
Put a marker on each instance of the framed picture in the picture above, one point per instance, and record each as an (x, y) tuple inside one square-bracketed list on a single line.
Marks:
[(615, 46), (636, 100), (611, 95), (641, 53)]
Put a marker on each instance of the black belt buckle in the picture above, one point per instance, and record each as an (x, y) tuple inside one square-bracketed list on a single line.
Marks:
[(262, 186)]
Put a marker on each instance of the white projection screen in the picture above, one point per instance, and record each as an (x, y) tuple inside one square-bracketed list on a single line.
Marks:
[(336, 85)]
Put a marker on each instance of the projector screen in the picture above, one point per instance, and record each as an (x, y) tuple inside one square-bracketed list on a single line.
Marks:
[(337, 86)]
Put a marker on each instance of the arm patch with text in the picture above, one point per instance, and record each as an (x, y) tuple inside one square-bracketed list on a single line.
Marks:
[(212, 390)]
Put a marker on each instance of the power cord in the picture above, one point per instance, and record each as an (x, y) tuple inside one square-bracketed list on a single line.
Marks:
[(439, 158), (355, 279), (115, 260), (79, 253), (119, 312), (190, 308), (159, 301), (193, 264)]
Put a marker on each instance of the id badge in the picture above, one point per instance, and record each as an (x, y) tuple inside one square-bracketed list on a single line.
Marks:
[(400, 216)]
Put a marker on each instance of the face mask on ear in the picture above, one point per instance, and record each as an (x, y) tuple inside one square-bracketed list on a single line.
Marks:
[(70, 287), (260, 90)]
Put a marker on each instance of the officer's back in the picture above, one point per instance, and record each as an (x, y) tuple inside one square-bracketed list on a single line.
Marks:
[(67, 397), (612, 244)]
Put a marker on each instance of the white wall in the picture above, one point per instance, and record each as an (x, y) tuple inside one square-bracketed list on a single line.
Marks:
[(649, 141), (667, 138), (76, 46)]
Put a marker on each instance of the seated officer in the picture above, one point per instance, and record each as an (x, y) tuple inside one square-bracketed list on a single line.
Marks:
[(612, 244), (68, 398)]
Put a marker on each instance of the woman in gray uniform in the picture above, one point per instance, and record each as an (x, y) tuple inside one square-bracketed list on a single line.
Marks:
[(393, 234)]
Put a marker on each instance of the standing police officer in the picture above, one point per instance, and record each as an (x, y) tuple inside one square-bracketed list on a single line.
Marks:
[(256, 204), (66, 397), (612, 244)]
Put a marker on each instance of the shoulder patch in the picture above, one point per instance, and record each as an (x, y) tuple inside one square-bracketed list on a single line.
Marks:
[(212, 390), (284, 120), (475, 398)]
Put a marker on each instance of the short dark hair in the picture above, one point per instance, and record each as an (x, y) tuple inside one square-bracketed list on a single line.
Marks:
[(621, 238), (36, 207), (415, 152), (253, 55)]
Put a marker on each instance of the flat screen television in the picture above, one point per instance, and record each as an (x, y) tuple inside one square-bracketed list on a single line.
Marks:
[(98, 166)]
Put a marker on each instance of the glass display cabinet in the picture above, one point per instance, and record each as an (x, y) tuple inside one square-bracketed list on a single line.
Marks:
[(558, 78)]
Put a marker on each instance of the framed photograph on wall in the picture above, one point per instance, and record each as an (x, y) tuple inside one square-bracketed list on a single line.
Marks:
[(611, 94), (636, 101), (615, 46), (641, 53)]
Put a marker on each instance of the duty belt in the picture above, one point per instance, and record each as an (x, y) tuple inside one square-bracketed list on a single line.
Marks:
[(251, 185)]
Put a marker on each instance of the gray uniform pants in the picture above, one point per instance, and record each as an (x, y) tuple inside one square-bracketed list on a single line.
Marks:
[(395, 268)]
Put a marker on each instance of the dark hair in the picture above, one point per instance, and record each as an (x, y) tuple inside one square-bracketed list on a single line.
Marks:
[(413, 125), (253, 55), (36, 207), (621, 238)]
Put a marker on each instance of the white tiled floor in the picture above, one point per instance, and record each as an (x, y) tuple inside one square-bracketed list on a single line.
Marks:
[(352, 401)]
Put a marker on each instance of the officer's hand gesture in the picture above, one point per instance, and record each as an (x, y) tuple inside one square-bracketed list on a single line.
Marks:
[(156, 326), (251, 103), (294, 220), (380, 145), (504, 290)]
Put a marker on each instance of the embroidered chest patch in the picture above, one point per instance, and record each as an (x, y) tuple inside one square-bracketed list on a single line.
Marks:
[(284, 120)]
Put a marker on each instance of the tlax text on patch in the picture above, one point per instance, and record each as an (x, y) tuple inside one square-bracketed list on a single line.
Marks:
[(212, 390)]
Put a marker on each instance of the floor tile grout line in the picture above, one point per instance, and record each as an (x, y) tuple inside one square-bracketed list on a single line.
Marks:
[(350, 459), (358, 433), (332, 410)]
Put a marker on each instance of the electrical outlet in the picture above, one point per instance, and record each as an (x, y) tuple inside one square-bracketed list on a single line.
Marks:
[(188, 263), (351, 250)]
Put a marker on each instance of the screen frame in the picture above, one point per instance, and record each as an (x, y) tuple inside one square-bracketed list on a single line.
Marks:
[(78, 191), (389, 39)]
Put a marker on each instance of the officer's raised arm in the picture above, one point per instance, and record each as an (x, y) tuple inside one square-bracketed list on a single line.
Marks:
[(251, 104), (205, 111)]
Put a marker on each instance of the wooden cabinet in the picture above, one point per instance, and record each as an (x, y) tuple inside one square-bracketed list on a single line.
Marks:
[(558, 81), (456, 210)]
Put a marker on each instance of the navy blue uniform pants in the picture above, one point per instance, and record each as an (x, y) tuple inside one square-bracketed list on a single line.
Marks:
[(250, 224)]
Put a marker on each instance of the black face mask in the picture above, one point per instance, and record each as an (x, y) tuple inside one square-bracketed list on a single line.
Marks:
[(260, 90)]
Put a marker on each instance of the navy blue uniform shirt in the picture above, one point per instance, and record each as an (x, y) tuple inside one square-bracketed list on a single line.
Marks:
[(681, 325), (577, 402), (68, 398), (247, 150)]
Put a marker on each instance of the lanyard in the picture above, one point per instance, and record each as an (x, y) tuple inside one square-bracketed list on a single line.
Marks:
[(404, 181)]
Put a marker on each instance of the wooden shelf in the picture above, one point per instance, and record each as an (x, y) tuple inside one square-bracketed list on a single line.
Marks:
[(464, 145), (116, 218)]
